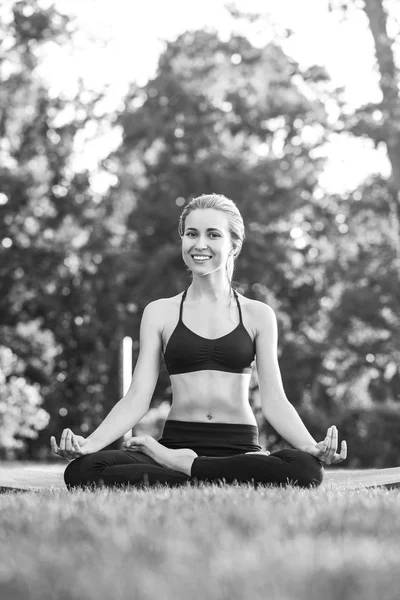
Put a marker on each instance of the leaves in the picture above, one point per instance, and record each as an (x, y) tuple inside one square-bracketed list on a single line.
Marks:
[(77, 270)]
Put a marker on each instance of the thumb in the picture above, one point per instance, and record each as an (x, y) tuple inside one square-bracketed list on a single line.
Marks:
[(79, 441)]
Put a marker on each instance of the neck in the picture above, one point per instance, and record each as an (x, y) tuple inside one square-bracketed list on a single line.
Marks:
[(205, 290)]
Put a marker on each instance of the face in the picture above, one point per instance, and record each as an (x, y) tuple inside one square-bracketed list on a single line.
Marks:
[(206, 234)]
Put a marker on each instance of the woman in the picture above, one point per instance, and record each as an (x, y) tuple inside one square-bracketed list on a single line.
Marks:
[(209, 336)]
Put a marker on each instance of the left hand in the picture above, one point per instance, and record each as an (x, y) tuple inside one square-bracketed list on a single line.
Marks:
[(325, 451)]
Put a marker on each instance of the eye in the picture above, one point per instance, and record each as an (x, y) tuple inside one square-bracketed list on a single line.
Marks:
[(191, 233)]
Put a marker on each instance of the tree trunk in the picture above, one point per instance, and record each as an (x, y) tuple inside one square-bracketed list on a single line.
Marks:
[(377, 18)]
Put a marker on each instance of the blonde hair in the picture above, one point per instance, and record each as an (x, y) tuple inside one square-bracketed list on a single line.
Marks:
[(236, 225)]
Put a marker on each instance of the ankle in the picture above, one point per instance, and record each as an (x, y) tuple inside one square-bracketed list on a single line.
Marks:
[(183, 459)]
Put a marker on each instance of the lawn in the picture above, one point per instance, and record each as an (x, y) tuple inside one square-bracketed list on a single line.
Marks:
[(338, 541)]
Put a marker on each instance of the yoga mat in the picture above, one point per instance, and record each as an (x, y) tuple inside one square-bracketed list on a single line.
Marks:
[(25, 479), (35, 479), (354, 479)]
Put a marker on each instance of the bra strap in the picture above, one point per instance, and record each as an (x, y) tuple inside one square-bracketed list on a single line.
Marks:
[(181, 307), (238, 303)]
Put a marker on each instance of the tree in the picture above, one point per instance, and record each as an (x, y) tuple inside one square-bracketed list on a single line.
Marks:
[(58, 248), (77, 270), (226, 116), (380, 121)]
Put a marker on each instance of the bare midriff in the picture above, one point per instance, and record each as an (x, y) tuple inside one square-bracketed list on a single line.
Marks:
[(211, 397)]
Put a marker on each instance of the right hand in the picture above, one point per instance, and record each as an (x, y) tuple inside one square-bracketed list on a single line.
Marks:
[(325, 451), (71, 445)]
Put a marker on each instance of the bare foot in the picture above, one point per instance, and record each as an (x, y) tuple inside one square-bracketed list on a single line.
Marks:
[(182, 460), (179, 460)]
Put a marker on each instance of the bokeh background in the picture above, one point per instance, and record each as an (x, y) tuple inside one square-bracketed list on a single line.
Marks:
[(114, 115)]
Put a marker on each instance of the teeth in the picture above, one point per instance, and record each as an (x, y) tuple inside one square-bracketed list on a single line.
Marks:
[(201, 257)]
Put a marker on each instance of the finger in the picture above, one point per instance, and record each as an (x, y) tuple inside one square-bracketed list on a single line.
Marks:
[(68, 441), (329, 437), (329, 455), (334, 442), (343, 454), (330, 451), (75, 444), (63, 438), (343, 451), (66, 449), (325, 455), (134, 445), (75, 447), (327, 443), (56, 449), (136, 441), (53, 445)]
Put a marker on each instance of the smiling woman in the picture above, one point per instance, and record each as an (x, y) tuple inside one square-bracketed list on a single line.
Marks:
[(210, 337), (222, 240)]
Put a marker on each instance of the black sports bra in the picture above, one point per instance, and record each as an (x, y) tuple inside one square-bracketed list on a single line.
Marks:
[(187, 351)]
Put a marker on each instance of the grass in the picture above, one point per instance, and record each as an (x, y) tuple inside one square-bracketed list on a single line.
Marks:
[(212, 541)]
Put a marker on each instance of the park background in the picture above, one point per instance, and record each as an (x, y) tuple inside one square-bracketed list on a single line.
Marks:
[(290, 109)]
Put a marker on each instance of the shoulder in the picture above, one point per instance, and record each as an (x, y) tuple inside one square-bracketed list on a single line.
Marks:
[(261, 315), (158, 309)]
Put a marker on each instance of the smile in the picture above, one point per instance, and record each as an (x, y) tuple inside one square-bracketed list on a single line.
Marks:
[(200, 258)]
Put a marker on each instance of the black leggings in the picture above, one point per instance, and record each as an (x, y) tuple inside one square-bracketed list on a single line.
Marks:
[(221, 448)]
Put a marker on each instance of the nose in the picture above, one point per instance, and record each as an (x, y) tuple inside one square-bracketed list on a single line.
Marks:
[(201, 244)]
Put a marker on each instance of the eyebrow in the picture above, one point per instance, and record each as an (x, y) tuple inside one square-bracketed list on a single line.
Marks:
[(208, 229)]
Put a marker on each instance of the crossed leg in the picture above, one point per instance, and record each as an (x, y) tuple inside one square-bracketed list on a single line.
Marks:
[(279, 468), (121, 467)]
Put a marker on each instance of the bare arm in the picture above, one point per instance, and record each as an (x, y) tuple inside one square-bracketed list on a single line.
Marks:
[(275, 406), (136, 402)]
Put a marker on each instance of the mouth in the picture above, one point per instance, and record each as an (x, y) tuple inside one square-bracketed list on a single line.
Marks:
[(200, 258)]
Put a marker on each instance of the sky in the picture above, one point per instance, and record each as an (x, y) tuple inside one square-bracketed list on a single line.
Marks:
[(129, 36)]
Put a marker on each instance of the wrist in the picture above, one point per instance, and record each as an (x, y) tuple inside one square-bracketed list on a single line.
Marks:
[(304, 447), (93, 445)]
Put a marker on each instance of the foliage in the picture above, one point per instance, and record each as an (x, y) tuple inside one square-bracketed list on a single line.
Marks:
[(77, 269), (20, 413), (54, 239)]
